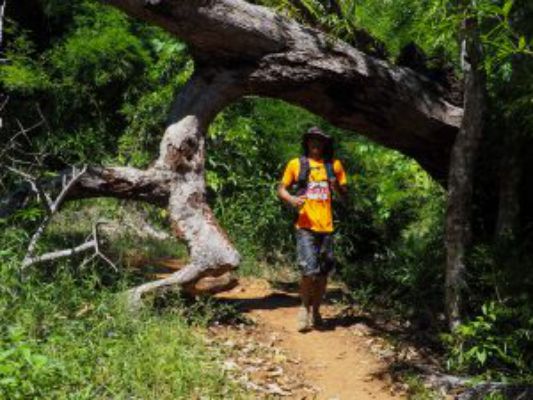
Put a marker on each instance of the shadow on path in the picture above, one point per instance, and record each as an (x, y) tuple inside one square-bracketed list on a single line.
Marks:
[(272, 301), (285, 295)]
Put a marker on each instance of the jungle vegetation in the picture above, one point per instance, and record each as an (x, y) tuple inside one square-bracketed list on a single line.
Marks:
[(88, 85)]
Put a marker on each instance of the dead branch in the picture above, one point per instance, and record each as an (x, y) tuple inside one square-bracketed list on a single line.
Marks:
[(4, 104), (2, 8), (93, 242), (36, 187), (55, 255), (52, 208), (15, 159), (97, 250)]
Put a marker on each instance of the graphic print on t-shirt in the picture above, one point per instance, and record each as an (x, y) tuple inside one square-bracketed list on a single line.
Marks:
[(317, 190)]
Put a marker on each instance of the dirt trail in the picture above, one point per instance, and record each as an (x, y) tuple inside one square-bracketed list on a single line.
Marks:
[(338, 360)]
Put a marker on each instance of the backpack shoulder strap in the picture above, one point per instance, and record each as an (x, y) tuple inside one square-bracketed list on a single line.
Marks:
[(329, 170), (303, 175)]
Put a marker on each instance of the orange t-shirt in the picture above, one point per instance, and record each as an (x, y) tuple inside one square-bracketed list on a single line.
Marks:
[(316, 213)]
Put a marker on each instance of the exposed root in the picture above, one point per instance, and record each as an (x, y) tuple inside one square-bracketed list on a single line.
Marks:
[(192, 279)]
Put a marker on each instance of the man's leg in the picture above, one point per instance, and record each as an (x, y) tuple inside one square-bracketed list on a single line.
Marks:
[(306, 288), (319, 289), (321, 280), (308, 263)]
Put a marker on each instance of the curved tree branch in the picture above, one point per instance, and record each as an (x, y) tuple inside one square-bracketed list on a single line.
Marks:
[(149, 185), (176, 180), (277, 57)]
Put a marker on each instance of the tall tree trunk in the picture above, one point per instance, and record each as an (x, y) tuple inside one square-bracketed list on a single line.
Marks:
[(461, 172)]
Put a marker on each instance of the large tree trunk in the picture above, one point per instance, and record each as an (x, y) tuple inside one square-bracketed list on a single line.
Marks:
[(460, 182)]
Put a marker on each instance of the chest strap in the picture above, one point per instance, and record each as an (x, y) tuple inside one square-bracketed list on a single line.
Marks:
[(303, 175)]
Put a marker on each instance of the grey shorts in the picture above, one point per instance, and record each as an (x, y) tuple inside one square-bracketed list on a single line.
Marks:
[(315, 252)]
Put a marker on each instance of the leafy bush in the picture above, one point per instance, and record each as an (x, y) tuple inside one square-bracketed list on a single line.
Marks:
[(24, 373), (498, 341)]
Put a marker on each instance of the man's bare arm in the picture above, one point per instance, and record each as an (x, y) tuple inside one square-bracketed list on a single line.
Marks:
[(295, 201)]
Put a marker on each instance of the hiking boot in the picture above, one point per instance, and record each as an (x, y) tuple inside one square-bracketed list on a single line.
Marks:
[(303, 324), (316, 319)]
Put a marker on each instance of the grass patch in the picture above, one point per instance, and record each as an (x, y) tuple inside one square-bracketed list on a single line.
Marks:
[(65, 334)]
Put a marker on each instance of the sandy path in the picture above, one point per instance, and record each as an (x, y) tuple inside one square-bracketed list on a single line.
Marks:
[(336, 360)]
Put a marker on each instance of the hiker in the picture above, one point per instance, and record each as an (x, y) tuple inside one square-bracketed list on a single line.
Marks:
[(316, 175)]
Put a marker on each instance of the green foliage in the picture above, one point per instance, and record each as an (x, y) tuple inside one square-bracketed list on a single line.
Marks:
[(418, 390), (23, 74), (425, 23), (24, 372), (105, 83), (399, 261), (148, 105), (99, 51), (497, 341)]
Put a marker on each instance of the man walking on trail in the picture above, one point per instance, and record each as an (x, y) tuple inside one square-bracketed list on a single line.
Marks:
[(316, 175)]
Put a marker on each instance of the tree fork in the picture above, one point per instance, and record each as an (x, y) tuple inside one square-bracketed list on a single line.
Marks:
[(182, 152)]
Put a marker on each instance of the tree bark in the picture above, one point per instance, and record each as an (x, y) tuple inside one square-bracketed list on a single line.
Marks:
[(130, 183), (461, 175), (182, 152), (175, 180)]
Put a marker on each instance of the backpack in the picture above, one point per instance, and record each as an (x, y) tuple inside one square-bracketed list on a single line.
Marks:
[(303, 176)]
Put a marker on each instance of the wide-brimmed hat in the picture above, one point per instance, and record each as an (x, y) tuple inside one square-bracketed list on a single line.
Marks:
[(316, 132)]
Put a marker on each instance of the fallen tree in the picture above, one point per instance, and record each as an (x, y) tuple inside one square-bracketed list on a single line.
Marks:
[(243, 49)]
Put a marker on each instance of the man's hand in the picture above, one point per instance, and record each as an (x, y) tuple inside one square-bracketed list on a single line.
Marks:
[(297, 201)]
